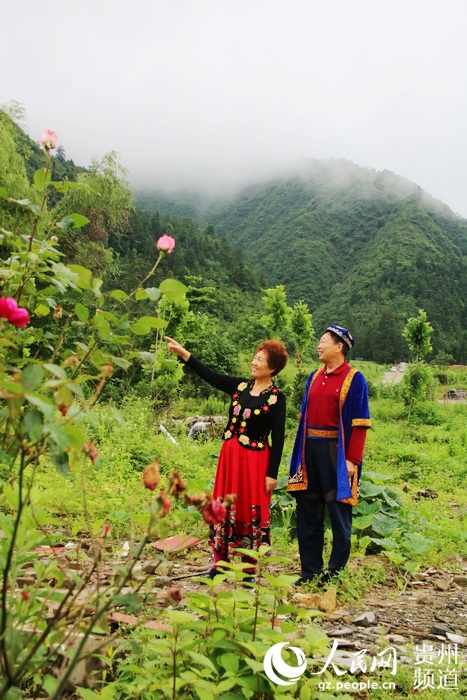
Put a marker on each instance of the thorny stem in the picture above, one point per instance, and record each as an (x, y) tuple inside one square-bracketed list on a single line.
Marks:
[(19, 291), (174, 655), (6, 571), (90, 349), (150, 273)]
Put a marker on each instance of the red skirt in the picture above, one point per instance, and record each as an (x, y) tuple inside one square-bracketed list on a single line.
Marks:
[(242, 472)]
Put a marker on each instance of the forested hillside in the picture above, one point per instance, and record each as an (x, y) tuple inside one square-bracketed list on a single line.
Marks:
[(360, 247)]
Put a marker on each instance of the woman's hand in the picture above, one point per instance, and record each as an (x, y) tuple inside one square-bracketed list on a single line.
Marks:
[(351, 467), (270, 484), (176, 348)]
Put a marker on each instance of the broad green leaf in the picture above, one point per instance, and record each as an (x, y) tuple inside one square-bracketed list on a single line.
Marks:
[(42, 178), (101, 325), (76, 436), (173, 289), (384, 524), (368, 490), (362, 522), (72, 221), (58, 435), (153, 293), (61, 462), (65, 186), (377, 478), (145, 324), (395, 557), (56, 370), (203, 661), (63, 397), (96, 286), (43, 403), (82, 312), (119, 295), (84, 280), (230, 662), (3, 193), (27, 204), (33, 423), (141, 294), (121, 362), (42, 310), (31, 377)]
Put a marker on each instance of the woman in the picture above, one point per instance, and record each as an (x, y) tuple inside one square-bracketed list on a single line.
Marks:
[(248, 464)]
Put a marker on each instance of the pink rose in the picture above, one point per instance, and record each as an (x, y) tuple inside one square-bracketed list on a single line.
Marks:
[(247, 413), (10, 310), (7, 306), (48, 140), (166, 244), (19, 318)]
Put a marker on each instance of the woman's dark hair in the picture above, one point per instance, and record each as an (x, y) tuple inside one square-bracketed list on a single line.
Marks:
[(337, 339), (277, 354)]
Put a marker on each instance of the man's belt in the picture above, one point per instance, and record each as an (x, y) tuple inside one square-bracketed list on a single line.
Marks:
[(322, 433)]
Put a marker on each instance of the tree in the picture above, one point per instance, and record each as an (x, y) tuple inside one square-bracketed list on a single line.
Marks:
[(278, 312), (417, 333), (301, 328), (418, 378)]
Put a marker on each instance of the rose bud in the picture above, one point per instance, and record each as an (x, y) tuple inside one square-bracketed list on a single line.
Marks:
[(199, 499), (152, 475), (24, 595), (174, 595), (90, 449), (166, 244), (176, 485), (164, 502)]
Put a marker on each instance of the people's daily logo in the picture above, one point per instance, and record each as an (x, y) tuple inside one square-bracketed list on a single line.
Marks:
[(274, 664)]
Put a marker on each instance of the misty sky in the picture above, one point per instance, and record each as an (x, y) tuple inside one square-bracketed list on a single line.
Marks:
[(221, 92)]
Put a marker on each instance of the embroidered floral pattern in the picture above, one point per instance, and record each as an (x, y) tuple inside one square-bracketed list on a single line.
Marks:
[(242, 386), (272, 399), (244, 439), (236, 410), (246, 413), (232, 533), (227, 434)]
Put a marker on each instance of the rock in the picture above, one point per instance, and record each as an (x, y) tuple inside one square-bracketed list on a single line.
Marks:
[(160, 581), (366, 619), (328, 601), (457, 639), (440, 628), (418, 576), (461, 580), (442, 584), (307, 600), (340, 632), (424, 600), (159, 567)]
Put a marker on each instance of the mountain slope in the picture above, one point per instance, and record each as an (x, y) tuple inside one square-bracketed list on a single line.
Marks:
[(360, 247)]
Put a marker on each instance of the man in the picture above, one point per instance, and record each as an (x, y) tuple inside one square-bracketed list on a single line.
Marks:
[(326, 461)]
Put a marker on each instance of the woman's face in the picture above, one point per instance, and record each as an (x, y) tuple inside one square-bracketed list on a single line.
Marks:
[(259, 367)]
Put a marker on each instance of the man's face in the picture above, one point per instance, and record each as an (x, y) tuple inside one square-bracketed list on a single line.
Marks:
[(328, 350)]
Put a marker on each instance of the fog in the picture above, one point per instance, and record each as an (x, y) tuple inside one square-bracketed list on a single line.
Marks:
[(213, 94)]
